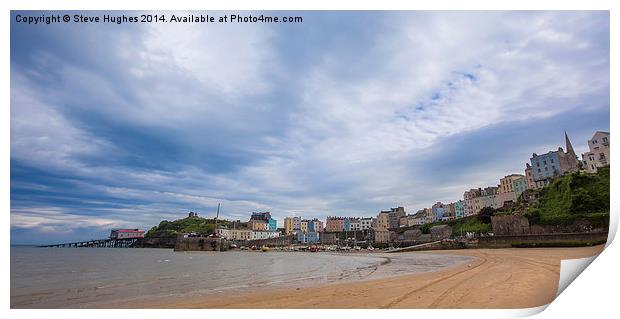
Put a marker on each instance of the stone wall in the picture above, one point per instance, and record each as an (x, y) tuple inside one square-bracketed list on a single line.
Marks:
[(510, 225), (440, 232), (566, 239), (156, 242), (412, 235), (201, 244), (271, 242)]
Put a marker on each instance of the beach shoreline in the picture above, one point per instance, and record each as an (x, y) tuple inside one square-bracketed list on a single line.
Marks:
[(493, 278)]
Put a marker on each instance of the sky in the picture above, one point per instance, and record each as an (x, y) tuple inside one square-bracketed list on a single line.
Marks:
[(345, 114)]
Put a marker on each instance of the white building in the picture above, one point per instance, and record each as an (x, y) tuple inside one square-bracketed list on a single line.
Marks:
[(264, 234), (366, 222), (598, 156)]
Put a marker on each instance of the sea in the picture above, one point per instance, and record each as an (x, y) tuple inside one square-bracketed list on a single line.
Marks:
[(98, 277)]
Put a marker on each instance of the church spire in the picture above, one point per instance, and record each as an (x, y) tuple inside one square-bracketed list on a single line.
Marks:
[(569, 146)]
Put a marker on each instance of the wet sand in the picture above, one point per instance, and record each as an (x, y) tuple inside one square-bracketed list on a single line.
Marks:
[(495, 278)]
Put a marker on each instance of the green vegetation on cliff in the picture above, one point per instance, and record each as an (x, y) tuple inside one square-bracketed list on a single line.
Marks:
[(197, 225), (572, 197)]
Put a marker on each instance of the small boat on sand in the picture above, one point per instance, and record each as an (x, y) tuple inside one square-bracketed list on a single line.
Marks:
[(264, 248)]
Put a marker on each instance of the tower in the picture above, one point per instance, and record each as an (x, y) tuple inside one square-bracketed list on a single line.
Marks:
[(570, 158)]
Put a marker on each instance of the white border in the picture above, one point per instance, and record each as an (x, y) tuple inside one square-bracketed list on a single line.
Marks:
[(592, 297)]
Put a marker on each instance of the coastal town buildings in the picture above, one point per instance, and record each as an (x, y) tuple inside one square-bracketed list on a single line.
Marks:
[(246, 234), (599, 154), (288, 225), (519, 185), (553, 164), (438, 211), (489, 197), (272, 224), (264, 234), (537, 174), (304, 226), (450, 212), (459, 208), (334, 224), (390, 218), (262, 221), (528, 176), (317, 225), (239, 234), (506, 190), (471, 198), (383, 219), (308, 238), (419, 218), (367, 222), (296, 223), (346, 224), (404, 221), (256, 224)]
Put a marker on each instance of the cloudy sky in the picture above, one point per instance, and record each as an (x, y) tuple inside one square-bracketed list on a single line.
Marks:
[(344, 114)]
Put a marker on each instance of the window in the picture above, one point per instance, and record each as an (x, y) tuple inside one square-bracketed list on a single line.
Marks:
[(539, 170), (552, 160), (604, 140), (545, 162), (538, 165), (546, 168)]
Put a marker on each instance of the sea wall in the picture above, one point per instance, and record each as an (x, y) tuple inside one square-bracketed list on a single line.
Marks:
[(271, 242), (201, 244), (156, 242), (543, 240)]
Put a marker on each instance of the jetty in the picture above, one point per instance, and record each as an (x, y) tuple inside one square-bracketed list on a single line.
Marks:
[(102, 243)]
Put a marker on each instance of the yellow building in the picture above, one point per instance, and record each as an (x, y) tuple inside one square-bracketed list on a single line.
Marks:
[(303, 226), (383, 220), (240, 234), (257, 224), (288, 225), (507, 192)]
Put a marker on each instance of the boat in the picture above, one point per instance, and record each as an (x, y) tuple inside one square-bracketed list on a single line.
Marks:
[(313, 249), (370, 248), (264, 248), (233, 246)]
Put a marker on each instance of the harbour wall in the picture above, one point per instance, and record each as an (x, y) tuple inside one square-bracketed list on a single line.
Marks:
[(543, 240)]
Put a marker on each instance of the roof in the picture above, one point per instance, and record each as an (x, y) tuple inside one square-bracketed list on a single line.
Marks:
[(128, 230)]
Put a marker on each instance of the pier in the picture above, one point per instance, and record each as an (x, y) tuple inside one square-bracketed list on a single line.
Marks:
[(100, 243)]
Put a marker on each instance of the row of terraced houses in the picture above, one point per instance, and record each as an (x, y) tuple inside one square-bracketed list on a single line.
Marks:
[(540, 170)]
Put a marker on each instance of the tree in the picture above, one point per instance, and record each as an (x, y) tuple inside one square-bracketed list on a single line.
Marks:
[(485, 214)]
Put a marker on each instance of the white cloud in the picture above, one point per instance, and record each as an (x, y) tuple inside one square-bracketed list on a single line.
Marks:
[(352, 138)]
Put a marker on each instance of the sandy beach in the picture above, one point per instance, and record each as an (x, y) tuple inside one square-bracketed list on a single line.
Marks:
[(495, 278)]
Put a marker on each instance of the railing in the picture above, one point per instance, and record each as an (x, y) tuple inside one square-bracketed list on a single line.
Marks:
[(99, 243)]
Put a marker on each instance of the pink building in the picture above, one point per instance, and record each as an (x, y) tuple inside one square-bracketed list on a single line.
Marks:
[(333, 224)]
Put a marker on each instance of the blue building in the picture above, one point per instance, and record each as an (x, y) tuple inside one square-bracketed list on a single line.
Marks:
[(347, 224), (545, 167), (438, 211), (308, 238), (459, 209), (272, 224), (311, 226), (553, 164)]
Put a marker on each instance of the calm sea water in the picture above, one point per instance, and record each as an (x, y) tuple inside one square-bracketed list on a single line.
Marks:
[(92, 277)]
